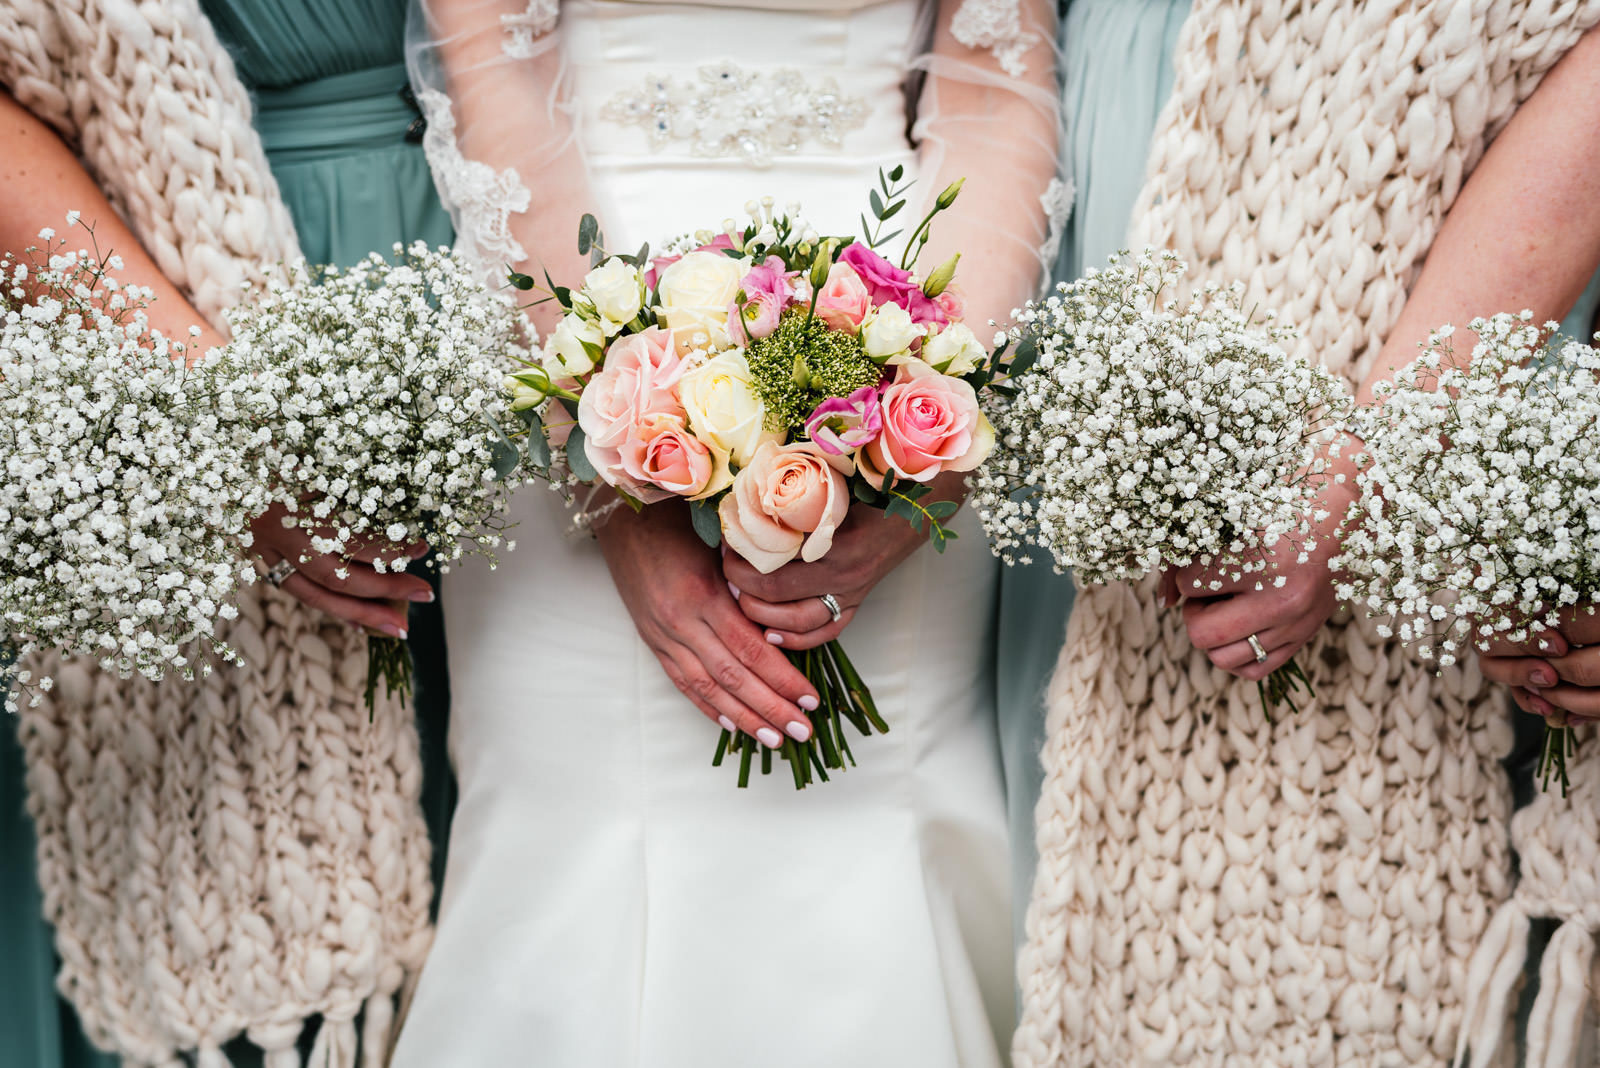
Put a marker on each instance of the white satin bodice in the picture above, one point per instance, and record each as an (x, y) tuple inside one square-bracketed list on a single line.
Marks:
[(849, 58)]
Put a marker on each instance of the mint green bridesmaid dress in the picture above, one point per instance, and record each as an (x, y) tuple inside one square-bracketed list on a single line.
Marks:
[(327, 78)]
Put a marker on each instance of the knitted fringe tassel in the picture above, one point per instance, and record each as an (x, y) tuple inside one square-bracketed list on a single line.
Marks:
[(1555, 1029), (1492, 985)]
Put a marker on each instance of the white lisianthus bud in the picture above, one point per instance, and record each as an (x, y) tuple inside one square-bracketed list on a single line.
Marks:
[(889, 332), (566, 354), (616, 289)]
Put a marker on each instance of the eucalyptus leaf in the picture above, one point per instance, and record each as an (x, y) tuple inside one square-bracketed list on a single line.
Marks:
[(877, 203), (578, 459), (588, 234), (942, 509), (707, 524), (894, 210), (866, 494), (505, 458), (538, 443), (521, 281), (897, 173)]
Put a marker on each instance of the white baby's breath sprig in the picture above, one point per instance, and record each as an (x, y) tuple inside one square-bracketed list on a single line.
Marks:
[(130, 477), (1479, 517)]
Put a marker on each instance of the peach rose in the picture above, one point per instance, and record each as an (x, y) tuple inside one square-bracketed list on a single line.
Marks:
[(931, 423), (661, 459), (788, 501), (843, 300), (639, 378)]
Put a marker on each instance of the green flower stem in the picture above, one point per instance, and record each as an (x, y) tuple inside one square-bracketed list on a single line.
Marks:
[(1560, 742), (1280, 687), (390, 660)]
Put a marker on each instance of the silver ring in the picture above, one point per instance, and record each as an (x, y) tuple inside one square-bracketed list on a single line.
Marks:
[(279, 571), (1255, 647), (831, 603)]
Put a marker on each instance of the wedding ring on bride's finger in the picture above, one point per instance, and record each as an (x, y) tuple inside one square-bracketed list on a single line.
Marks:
[(1255, 647), (278, 572), (831, 603)]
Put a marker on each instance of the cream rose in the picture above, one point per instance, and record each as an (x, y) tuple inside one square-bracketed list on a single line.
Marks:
[(565, 355), (695, 293), (617, 292), (888, 332), (723, 408), (955, 350), (786, 502)]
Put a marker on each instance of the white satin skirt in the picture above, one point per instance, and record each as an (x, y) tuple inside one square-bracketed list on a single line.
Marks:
[(612, 900)]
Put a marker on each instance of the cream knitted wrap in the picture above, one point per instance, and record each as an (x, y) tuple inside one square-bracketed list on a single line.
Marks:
[(1213, 890), (238, 855)]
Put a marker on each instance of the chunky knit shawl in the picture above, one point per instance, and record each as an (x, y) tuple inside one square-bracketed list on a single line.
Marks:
[(237, 855), (1216, 890)]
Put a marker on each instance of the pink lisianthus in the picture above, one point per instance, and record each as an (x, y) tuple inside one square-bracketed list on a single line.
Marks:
[(661, 459), (787, 502), (889, 284), (931, 424), (841, 425), (639, 378), (767, 290), (843, 301), (661, 263)]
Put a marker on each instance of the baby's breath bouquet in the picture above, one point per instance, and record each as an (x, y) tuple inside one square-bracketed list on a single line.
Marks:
[(129, 478), (1148, 435), (388, 425), (1479, 517), (774, 378)]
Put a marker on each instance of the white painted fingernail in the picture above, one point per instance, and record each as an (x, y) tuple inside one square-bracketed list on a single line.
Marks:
[(808, 703), (774, 637), (769, 737), (797, 730), (733, 590), (727, 724)]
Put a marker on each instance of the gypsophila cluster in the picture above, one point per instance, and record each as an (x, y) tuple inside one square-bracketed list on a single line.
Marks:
[(1149, 435), (129, 478), (390, 401), (1479, 515)]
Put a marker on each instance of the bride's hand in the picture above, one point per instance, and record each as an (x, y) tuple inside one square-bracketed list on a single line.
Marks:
[(868, 545), (1558, 671), (1222, 613), (680, 603), (363, 596)]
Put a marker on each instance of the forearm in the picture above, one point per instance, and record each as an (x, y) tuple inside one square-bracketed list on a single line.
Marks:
[(1525, 230), (41, 180)]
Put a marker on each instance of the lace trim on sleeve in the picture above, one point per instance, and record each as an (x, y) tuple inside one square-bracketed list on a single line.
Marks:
[(1057, 203), (524, 28), (482, 198), (997, 26)]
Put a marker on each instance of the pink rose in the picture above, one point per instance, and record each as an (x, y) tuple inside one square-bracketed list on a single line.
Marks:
[(953, 302), (931, 423), (888, 284), (787, 501), (841, 425), (661, 459), (843, 302), (661, 263), (639, 377)]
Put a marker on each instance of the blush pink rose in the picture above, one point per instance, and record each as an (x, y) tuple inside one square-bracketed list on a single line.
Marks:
[(786, 502), (888, 284), (661, 459), (843, 302), (639, 378), (931, 424), (953, 302)]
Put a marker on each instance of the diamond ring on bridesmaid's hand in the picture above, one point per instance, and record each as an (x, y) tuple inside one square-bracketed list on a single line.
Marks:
[(279, 571), (831, 603), (1255, 647)]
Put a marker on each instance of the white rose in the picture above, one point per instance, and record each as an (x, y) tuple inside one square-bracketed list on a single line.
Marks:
[(695, 294), (955, 351), (723, 408), (889, 331), (617, 292), (565, 355)]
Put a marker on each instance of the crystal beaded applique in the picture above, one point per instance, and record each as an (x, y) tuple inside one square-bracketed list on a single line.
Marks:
[(730, 111)]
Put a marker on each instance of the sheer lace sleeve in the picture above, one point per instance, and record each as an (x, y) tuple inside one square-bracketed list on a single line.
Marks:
[(988, 110), (502, 137)]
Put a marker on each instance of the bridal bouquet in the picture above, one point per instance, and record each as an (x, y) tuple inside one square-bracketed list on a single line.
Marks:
[(1150, 436), (771, 376), (129, 477), (388, 426), (1479, 516)]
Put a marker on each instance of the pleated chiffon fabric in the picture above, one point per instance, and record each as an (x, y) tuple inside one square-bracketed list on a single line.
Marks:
[(1214, 889)]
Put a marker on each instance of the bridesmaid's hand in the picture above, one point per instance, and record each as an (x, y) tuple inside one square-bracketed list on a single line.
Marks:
[(352, 590), (869, 545), (680, 603), (1556, 672), (1222, 613)]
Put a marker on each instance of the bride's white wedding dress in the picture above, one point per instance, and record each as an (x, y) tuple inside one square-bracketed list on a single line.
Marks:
[(611, 898)]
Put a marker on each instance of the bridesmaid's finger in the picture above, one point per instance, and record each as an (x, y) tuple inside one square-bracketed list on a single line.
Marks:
[(793, 617), (1580, 701), (1580, 667), (1517, 670), (1241, 654)]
